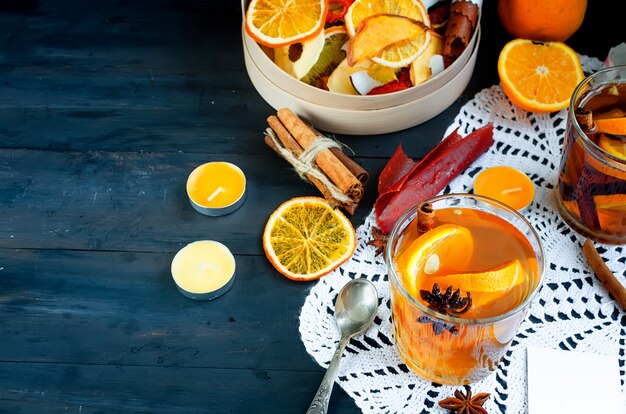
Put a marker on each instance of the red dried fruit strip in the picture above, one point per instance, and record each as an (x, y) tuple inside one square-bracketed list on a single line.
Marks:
[(435, 176), (337, 13), (403, 82), (393, 86), (388, 190), (398, 166)]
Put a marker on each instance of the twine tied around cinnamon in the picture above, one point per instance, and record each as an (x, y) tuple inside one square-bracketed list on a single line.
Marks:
[(304, 164), (317, 158)]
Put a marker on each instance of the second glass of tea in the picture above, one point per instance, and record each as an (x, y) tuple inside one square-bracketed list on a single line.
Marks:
[(591, 192), (461, 287)]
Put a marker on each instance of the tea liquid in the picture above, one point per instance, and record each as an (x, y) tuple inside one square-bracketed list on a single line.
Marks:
[(495, 244)]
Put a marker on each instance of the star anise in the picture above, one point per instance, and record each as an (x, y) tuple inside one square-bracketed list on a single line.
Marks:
[(449, 303), (379, 241), (465, 403)]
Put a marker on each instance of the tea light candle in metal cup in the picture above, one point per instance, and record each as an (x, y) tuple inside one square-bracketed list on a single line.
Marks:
[(216, 188), (203, 270), (507, 185)]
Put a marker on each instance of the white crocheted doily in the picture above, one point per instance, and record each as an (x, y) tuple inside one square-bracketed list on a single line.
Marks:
[(572, 311)]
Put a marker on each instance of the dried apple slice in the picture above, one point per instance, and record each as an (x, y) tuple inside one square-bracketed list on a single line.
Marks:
[(340, 82), (420, 67), (362, 82), (380, 31), (298, 58)]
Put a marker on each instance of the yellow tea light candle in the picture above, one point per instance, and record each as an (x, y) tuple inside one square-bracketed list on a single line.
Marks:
[(505, 184), (216, 188), (204, 270)]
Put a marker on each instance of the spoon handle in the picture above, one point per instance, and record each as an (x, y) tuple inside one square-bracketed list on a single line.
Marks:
[(319, 405)]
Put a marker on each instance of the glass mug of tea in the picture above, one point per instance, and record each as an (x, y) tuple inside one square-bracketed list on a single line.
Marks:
[(591, 192), (461, 288)]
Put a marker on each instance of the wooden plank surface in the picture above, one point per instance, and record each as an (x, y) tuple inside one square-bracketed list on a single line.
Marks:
[(124, 309), (61, 388), (105, 108), (136, 201)]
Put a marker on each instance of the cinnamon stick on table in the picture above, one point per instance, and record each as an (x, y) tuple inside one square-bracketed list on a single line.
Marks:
[(359, 172), (603, 272), (338, 173), (290, 144), (335, 169)]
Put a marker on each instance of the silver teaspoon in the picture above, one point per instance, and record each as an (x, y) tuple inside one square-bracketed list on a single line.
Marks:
[(355, 310)]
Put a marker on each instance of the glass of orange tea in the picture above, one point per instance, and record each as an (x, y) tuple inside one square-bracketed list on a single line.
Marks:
[(591, 192), (461, 286)]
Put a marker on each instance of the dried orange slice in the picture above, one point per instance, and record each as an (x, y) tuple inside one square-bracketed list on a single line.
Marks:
[(277, 23), (382, 31), (539, 77), (399, 55), (443, 250), (305, 238)]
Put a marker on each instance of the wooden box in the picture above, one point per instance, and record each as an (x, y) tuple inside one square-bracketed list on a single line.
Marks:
[(359, 115)]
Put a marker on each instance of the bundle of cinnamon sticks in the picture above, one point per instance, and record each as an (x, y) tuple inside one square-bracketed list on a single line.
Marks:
[(318, 159)]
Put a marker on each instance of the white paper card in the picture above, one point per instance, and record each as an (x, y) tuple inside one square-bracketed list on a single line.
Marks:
[(573, 382)]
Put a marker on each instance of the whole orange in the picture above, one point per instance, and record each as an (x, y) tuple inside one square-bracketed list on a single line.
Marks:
[(544, 20)]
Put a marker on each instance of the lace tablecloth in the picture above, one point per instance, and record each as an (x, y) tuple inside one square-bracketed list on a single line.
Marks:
[(572, 311)]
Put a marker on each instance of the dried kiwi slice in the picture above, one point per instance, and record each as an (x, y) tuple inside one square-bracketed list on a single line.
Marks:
[(332, 55)]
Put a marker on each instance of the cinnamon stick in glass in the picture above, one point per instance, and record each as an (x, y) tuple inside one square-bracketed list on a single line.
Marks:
[(425, 217), (584, 117)]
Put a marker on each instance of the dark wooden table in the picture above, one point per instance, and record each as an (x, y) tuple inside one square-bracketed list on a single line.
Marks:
[(105, 108)]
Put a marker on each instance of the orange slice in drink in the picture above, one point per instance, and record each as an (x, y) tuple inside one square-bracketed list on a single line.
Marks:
[(539, 77), (613, 145), (493, 291), (615, 126), (277, 23), (403, 53), (446, 248), (305, 238), (611, 210)]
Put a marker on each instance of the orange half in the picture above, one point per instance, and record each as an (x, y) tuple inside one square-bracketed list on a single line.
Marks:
[(537, 76)]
